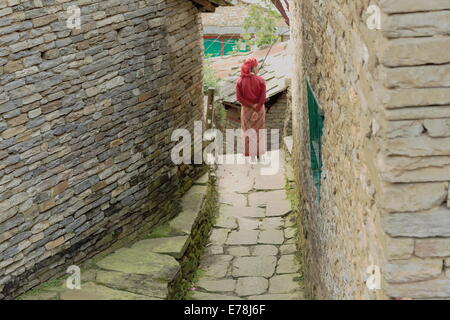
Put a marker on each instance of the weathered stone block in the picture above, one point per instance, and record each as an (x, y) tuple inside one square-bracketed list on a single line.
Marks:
[(426, 51), (134, 283), (44, 20), (251, 286), (426, 248), (393, 6), (437, 128), (416, 24), (399, 248), (226, 285), (413, 197), (438, 288), (402, 98), (133, 261), (407, 169), (261, 266), (432, 223), (417, 77), (92, 291), (418, 147), (55, 243), (174, 246), (412, 270)]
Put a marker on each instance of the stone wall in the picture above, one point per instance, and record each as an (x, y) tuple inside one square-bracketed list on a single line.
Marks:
[(335, 53), (86, 118), (415, 156), (277, 114), (385, 147)]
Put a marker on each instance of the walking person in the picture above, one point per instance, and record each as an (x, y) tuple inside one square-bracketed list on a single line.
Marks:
[(251, 93)]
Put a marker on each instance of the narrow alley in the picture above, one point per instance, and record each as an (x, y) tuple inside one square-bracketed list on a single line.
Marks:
[(251, 253), (111, 110)]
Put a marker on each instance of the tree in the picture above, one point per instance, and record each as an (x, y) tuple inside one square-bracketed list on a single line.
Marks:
[(262, 22)]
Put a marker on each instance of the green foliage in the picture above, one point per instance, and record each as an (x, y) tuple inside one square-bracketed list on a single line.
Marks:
[(209, 78), (263, 21), (220, 115), (44, 290), (161, 232)]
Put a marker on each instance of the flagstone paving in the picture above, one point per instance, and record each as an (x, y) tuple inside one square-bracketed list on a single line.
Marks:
[(251, 252)]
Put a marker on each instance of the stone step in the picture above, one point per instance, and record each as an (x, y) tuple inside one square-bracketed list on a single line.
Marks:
[(212, 296), (173, 246), (134, 261), (92, 291), (184, 222), (134, 283)]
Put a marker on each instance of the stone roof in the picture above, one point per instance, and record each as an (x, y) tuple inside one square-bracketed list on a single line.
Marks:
[(211, 5), (233, 16), (276, 71)]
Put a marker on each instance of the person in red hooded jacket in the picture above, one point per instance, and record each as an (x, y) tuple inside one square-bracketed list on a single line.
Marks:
[(251, 93)]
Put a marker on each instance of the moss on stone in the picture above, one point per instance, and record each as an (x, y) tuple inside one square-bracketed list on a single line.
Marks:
[(180, 288), (46, 291), (300, 255), (162, 232)]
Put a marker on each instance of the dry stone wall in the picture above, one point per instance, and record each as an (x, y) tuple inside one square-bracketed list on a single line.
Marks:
[(415, 159), (384, 198), (86, 118), (336, 54)]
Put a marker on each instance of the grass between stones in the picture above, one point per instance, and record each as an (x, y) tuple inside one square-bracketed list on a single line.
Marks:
[(297, 217), (180, 287)]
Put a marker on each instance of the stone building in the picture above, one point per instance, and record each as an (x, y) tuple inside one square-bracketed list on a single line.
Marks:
[(86, 117), (371, 125), (223, 28)]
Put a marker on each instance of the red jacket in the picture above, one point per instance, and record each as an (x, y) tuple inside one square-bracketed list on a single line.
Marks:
[(251, 90)]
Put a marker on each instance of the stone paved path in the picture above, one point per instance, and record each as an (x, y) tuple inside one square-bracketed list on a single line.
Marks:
[(251, 254)]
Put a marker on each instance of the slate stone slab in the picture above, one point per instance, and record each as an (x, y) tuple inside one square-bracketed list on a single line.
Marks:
[(216, 266), (226, 285), (212, 296), (287, 296), (92, 291), (134, 261), (251, 286), (271, 237), (243, 237), (283, 284), (263, 266), (174, 246), (134, 283), (184, 221), (264, 250), (287, 264), (278, 208)]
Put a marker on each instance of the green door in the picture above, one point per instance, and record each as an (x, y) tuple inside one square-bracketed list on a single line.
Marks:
[(316, 120)]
